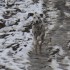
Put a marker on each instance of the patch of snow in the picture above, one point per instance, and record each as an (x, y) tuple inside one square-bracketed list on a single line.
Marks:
[(67, 14), (50, 27), (67, 3), (61, 26), (66, 60), (61, 52), (54, 64), (18, 59)]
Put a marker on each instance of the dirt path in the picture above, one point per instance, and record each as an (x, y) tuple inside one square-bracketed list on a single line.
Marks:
[(60, 37), (39, 62)]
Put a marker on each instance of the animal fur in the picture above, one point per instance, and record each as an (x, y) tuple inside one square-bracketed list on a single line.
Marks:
[(38, 30)]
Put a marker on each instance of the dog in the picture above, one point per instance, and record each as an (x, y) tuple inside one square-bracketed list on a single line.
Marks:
[(38, 31)]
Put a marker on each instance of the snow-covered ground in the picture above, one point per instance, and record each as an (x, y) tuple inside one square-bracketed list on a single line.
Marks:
[(16, 40), (17, 58)]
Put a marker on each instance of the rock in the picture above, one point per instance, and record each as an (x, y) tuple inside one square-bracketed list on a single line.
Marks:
[(2, 67), (10, 45), (55, 52), (9, 13), (17, 10), (20, 49), (27, 28), (2, 23), (17, 21), (30, 14), (9, 3), (41, 15), (68, 45), (8, 69), (49, 48), (29, 39), (49, 60), (25, 45), (15, 47), (4, 35), (12, 30), (35, 1)]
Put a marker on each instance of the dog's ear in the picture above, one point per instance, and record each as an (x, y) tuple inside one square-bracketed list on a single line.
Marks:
[(41, 15)]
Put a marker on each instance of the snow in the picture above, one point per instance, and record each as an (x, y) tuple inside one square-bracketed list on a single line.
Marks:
[(61, 52), (17, 60), (67, 14), (50, 27), (67, 3), (67, 61), (54, 64)]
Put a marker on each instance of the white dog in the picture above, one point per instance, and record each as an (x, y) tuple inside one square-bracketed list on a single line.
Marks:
[(38, 30)]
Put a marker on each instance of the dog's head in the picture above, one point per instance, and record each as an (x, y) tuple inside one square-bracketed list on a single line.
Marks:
[(36, 17)]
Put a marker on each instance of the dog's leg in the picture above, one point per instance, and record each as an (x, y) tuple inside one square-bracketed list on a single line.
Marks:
[(40, 47), (36, 46)]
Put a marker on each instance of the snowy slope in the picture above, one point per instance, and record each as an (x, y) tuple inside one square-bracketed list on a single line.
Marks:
[(15, 43), (16, 38)]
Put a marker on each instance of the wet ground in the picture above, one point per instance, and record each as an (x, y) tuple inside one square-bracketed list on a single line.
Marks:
[(59, 37)]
